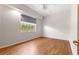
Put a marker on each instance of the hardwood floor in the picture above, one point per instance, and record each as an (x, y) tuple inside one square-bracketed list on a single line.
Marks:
[(39, 46)]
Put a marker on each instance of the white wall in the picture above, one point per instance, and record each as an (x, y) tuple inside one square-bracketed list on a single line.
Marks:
[(1, 23), (57, 25), (10, 26), (73, 34)]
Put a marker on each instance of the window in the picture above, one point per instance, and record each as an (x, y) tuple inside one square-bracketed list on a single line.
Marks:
[(27, 24)]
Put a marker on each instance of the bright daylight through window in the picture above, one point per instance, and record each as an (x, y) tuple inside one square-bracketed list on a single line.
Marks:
[(27, 24)]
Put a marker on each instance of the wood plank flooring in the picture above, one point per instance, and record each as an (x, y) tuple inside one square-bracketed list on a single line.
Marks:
[(39, 46)]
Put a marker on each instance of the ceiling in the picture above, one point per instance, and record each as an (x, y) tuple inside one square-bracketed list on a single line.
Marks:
[(50, 8)]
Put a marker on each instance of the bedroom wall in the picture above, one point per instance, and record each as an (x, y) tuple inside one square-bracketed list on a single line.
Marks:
[(57, 25), (0, 23), (73, 24), (10, 27)]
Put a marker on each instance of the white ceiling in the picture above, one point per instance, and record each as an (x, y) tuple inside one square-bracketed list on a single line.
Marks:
[(51, 8)]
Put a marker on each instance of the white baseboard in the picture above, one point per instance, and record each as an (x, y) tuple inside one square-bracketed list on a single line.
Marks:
[(14, 43)]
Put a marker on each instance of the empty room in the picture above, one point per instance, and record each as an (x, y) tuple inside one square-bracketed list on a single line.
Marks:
[(39, 29)]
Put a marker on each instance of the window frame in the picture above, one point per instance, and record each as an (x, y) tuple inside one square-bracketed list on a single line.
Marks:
[(30, 25)]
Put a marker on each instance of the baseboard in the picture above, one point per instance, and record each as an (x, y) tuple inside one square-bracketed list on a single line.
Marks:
[(19, 42), (54, 38)]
